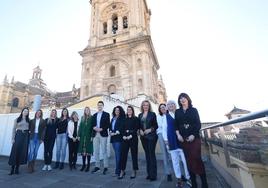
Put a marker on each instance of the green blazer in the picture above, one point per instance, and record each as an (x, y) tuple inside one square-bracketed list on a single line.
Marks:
[(85, 134)]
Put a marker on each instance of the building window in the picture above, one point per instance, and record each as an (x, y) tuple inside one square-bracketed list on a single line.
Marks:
[(15, 102), (105, 28), (112, 71), (112, 89), (125, 22), (115, 23)]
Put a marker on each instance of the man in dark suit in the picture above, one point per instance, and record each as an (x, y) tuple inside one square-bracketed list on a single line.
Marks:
[(100, 125)]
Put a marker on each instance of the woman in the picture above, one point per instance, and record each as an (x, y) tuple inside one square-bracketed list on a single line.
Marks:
[(149, 138), (73, 140), (20, 140), (49, 140), (84, 134), (188, 125), (61, 140), (130, 140), (174, 146), (37, 134), (162, 125), (115, 130)]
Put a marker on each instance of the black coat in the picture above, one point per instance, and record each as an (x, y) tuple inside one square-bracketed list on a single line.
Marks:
[(104, 124), (119, 125), (151, 122), (41, 129), (187, 123), (131, 126)]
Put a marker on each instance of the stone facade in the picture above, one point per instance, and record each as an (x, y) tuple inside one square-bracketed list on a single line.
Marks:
[(16, 95), (120, 57)]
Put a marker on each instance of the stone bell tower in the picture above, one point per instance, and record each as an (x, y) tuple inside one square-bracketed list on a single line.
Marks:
[(120, 57)]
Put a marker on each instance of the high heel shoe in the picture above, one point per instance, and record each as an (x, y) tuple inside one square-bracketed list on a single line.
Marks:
[(133, 176), (121, 175)]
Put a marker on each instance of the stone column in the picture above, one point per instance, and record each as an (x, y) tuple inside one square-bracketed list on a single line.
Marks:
[(109, 26), (120, 24)]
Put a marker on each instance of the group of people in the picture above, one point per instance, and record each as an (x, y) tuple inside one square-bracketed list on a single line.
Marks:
[(176, 130)]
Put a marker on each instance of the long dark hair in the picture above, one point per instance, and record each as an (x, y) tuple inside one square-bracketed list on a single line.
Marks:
[(61, 117), (133, 112), (27, 117), (185, 95), (159, 108), (41, 116), (121, 112)]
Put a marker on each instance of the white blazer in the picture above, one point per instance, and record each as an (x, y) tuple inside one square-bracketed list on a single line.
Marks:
[(70, 129)]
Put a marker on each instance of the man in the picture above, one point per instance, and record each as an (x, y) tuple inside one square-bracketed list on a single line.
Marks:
[(100, 125)]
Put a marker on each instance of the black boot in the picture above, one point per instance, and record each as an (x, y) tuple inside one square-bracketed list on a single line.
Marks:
[(61, 166), (17, 169), (204, 180), (84, 163), (71, 166), (74, 166), (193, 180), (56, 165), (88, 163), (12, 170)]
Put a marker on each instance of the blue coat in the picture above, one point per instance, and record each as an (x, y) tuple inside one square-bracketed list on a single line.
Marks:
[(173, 141)]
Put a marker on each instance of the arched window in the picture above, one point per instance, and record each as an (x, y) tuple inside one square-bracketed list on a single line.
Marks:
[(112, 89), (112, 71), (125, 22), (15, 102), (115, 23), (105, 28)]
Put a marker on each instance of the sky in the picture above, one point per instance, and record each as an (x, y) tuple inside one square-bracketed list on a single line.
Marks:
[(214, 50)]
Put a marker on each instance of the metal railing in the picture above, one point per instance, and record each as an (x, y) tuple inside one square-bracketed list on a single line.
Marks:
[(248, 117)]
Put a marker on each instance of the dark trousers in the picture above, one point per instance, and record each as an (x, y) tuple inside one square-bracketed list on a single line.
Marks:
[(73, 149), (117, 152), (149, 145), (48, 150), (133, 146)]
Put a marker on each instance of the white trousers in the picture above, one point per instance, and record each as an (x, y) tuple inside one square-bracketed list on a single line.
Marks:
[(100, 150), (177, 156)]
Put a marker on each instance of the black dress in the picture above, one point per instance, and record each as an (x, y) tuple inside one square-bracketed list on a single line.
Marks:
[(19, 151)]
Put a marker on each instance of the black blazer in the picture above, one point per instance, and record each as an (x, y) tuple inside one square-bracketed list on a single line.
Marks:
[(104, 124), (119, 125), (131, 126), (151, 122), (41, 129)]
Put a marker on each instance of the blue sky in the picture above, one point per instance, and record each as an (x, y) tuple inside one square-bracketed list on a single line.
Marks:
[(215, 50)]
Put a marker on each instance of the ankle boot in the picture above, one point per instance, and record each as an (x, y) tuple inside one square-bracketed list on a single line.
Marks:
[(88, 163), (61, 166), (17, 169), (33, 164), (12, 170), (84, 163), (56, 165), (204, 180)]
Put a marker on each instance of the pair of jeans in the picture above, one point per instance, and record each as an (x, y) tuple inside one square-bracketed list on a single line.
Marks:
[(48, 150), (33, 148), (165, 155), (117, 152), (100, 150), (61, 143)]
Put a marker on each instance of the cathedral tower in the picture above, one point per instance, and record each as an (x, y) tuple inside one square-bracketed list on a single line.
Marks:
[(120, 57)]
